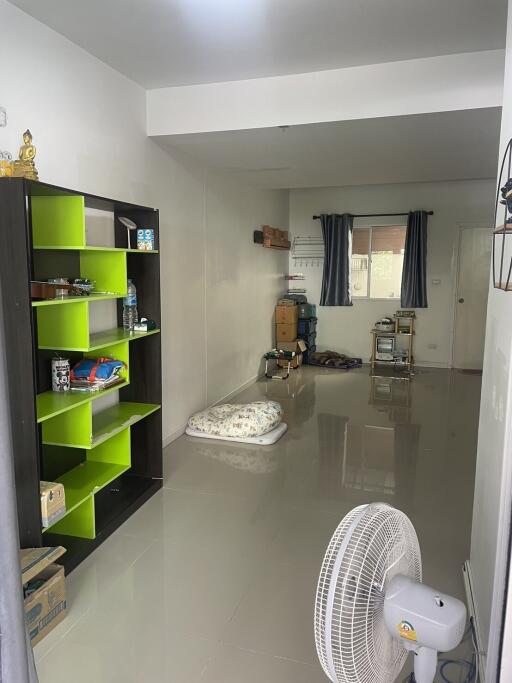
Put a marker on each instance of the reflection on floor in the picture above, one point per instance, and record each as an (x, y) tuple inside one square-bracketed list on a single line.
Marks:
[(213, 580)]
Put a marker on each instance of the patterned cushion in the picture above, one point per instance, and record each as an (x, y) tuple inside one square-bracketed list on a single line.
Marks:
[(251, 419)]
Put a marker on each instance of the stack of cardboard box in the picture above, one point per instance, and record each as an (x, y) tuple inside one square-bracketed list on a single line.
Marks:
[(287, 318), (44, 589)]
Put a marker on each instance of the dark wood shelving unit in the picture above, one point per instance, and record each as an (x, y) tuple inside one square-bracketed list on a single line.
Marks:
[(113, 463)]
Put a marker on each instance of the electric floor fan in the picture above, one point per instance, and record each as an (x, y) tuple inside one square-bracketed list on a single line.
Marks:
[(371, 608)]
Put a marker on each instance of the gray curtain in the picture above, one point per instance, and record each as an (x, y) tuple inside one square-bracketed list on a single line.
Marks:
[(337, 234), (414, 273)]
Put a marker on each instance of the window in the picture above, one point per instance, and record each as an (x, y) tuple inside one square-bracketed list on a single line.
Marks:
[(377, 261)]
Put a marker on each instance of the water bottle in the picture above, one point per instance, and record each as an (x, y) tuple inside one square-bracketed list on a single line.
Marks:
[(130, 316)]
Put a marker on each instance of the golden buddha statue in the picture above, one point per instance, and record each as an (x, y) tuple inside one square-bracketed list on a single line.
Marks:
[(25, 166)]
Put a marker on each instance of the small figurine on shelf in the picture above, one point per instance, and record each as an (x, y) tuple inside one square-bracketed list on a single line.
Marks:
[(25, 167)]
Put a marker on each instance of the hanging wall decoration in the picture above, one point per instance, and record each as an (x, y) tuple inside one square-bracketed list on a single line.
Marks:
[(502, 246)]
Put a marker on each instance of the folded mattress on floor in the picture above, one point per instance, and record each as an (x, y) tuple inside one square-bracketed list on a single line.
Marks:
[(263, 440), (237, 421)]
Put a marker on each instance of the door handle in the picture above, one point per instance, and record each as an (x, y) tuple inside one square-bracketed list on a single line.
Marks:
[(461, 300)]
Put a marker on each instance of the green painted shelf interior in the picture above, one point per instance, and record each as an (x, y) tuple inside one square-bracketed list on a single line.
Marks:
[(74, 299), (98, 340), (106, 268), (89, 247), (108, 422), (58, 220), (66, 328), (119, 351), (52, 403), (79, 428), (103, 464)]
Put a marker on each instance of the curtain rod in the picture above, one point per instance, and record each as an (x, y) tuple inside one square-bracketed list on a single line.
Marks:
[(378, 215)]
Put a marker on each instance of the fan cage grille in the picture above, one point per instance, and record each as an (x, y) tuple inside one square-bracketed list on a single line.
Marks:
[(381, 543)]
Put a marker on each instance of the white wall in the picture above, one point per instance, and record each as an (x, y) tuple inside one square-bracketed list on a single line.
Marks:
[(414, 86), (454, 204), (89, 127), (493, 485)]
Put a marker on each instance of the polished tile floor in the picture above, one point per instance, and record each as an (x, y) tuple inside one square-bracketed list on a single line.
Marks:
[(213, 580)]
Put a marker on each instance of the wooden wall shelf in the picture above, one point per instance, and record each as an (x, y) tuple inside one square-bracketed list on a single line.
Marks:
[(272, 238)]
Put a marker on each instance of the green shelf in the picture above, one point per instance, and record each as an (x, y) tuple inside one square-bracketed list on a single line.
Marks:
[(81, 483), (58, 220), (96, 341), (104, 464), (100, 339), (52, 403), (113, 420), (79, 428), (141, 251), (74, 299), (70, 247), (83, 444), (87, 478)]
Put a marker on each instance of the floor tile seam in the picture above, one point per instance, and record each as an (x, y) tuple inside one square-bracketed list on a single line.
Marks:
[(203, 492), (266, 653), (213, 658), (89, 610), (63, 635)]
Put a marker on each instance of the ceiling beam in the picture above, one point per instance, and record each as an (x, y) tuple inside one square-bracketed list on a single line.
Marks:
[(447, 83)]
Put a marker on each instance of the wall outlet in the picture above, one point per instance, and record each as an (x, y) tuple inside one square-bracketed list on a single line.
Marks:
[(436, 281), (432, 346)]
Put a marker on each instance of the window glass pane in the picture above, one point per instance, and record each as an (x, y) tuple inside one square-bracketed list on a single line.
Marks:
[(387, 261), (360, 258)]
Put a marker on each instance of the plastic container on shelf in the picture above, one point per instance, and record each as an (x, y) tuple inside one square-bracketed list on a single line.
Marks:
[(306, 326), (307, 311), (130, 315)]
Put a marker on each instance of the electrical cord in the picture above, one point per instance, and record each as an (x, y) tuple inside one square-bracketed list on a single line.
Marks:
[(461, 663)]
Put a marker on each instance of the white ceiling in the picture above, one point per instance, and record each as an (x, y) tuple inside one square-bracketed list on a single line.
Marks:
[(426, 147), (177, 42)]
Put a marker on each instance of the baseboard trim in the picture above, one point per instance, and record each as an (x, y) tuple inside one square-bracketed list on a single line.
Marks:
[(179, 431), (473, 615), (174, 435), (236, 391)]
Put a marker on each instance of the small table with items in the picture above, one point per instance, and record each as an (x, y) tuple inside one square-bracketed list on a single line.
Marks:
[(278, 355)]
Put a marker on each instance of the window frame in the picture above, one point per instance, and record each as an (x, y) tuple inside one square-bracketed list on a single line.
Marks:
[(367, 296)]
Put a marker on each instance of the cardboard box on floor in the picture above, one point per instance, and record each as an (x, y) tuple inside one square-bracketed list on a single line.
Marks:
[(287, 315), (286, 333), (45, 607), (299, 346)]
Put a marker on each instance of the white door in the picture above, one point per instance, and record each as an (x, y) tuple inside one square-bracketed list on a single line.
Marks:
[(471, 301)]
